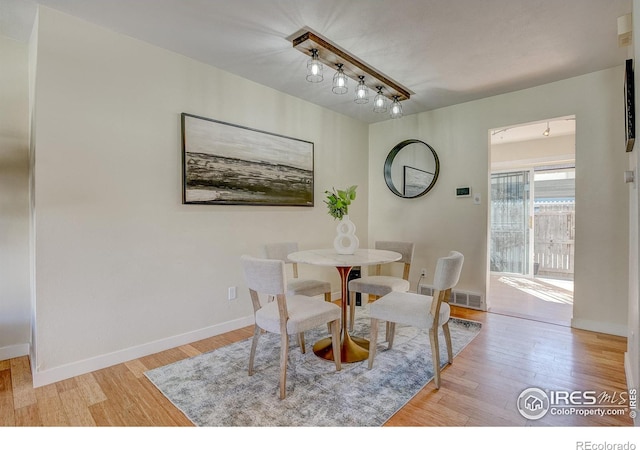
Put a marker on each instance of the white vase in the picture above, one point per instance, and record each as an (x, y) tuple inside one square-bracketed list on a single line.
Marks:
[(346, 242)]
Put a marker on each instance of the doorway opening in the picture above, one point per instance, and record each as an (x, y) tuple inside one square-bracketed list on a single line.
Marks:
[(532, 220)]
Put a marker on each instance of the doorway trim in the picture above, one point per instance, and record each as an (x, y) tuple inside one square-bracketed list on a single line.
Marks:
[(554, 158)]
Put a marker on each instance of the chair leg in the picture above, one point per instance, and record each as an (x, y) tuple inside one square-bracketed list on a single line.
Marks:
[(284, 348), (391, 333), (447, 339), (352, 310), (335, 343), (373, 340), (257, 331), (327, 298), (435, 353), (303, 349)]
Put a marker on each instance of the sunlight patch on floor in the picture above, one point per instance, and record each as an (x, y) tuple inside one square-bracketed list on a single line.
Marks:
[(567, 285), (556, 291)]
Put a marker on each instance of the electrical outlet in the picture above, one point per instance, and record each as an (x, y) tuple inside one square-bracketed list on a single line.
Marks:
[(423, 272), (232, 293)]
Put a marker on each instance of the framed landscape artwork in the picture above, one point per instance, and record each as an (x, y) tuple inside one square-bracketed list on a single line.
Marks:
[(226, 164)]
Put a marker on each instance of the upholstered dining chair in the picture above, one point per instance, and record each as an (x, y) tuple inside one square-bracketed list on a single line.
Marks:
[(296, 285), (420, 311), (288, 314), (378, 285)]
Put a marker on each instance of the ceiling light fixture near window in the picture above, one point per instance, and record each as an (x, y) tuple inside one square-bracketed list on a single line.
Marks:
[(380, 101), (546, 132), (314, 68), (362, 92), (396, 108), (340, 81)]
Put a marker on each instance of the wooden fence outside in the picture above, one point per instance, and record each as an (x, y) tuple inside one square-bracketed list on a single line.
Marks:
[(554, 240)]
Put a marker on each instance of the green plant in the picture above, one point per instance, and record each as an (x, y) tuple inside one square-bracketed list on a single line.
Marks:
[(338, 201)]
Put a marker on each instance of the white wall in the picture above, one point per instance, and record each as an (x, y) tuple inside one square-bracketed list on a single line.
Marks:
[(122, 267), (439, 222), (14, 190)]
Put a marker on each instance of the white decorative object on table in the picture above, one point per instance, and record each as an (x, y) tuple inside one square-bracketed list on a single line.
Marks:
[(338, 201), (346, 242)]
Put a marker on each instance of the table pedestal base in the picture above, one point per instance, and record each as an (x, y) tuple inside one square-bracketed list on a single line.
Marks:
[(352, 349)]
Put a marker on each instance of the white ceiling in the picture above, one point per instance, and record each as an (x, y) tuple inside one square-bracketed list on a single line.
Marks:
[(446, 51)]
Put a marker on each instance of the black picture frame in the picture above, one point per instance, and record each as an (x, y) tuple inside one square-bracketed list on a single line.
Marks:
[(228, 164), (629, 106), (415, 181)]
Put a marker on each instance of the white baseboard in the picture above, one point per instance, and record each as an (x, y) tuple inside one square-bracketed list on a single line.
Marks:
[(100, 362), (14, 351), (600, 327)]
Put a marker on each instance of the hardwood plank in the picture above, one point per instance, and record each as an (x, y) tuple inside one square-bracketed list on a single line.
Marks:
[(174, 415), (7, 418), (190, 350), (28, 416), (90, 389), (104, 416), (23, 392), (120, 408), (162, 359), (154, 411), (136, 367), (428, 415), (50, 407), (67, 384), (76, 408), (474, 407), (206, 345)]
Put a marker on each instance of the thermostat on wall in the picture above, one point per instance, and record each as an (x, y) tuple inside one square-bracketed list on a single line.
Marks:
[(464, 191)]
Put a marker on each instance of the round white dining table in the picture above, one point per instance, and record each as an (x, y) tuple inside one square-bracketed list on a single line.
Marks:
[(353, 349)]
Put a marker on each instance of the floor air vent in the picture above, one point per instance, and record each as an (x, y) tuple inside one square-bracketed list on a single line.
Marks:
[(466, 299)]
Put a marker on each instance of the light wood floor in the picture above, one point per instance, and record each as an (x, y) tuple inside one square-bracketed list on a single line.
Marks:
[(479, 389)]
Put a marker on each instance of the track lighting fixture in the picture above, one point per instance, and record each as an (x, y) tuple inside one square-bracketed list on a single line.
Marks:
[(348, 66)]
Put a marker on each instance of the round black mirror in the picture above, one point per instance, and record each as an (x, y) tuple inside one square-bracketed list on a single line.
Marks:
[(411, 168)]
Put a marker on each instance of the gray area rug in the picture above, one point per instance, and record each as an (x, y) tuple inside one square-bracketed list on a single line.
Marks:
[(213, 389)]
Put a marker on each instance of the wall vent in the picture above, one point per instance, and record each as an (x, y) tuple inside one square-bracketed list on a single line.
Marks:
[(465, 299)]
